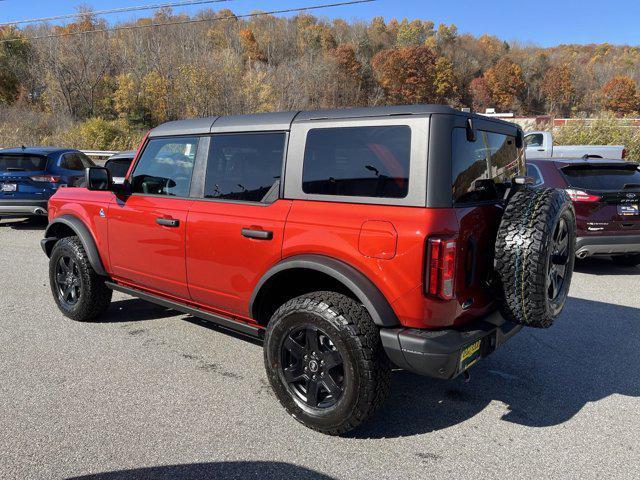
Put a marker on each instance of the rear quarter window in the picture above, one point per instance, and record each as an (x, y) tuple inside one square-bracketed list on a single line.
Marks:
[(482, 168), (358, 161)]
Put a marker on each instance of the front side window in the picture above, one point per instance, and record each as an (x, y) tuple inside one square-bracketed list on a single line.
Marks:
[(534, 172), (245, 167), (165, 167), (482, 168), (358, 161)]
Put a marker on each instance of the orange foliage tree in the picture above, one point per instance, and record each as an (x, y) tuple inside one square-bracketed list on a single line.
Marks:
[(620, 96), (506, 84), (557, 86)]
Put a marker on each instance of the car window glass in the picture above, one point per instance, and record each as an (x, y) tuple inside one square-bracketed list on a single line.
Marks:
[(481, 169), (72, 161), (534, 140), (118, 168), (602, 178), (244, 167), (358, 161), (22, 163), (534, 172), (165, 167)]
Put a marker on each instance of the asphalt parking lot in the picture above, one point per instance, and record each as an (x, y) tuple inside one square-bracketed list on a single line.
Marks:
[(153, 394)]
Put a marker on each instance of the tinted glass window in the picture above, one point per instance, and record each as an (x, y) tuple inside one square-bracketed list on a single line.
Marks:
[(534, 140), (534, 172), (118, 168), (602, 178), (482, 168), (165, 167), (22, 163), (245, 167), (72, 161), (358, 162)]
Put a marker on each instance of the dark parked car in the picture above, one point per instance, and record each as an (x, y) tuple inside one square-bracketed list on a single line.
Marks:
[(606, 195), (119, 165), (29, 176)]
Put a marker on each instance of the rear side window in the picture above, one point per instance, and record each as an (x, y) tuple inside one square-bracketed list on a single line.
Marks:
[(602, 178), (481, 169), (358, 162), (22, 163), (165, 167), (75, 161), (245, 167)]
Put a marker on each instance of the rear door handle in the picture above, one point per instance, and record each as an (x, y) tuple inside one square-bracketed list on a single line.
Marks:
[(168, 222), (257, 234)]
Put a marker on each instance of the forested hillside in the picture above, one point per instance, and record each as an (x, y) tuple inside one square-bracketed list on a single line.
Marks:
[(102, 89)]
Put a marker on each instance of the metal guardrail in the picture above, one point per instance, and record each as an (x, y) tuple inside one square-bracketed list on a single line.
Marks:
[(99, 153)]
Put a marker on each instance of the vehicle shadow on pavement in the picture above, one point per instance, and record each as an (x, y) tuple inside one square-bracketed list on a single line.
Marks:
[(604, 266), (213, 470), (34, 223), (539, 379), (134, 310)]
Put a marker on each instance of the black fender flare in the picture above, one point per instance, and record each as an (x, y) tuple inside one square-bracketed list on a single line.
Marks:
[(363, 288), (83, 233)]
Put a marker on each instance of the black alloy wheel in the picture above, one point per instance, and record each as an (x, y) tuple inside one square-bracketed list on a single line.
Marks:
[(558, 260), (68, 280), (312, 367)]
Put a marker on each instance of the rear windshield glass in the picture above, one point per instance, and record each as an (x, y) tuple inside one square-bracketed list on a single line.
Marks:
[(482, 168), (358, 162), (603, 178), (22, 163)]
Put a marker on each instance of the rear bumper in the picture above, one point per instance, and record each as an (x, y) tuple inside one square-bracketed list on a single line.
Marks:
[(23, 208), (438, 353), (607, 245)]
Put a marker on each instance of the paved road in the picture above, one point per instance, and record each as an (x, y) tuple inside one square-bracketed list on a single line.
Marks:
[(152, 394)]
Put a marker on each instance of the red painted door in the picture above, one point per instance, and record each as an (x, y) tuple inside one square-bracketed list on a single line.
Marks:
[(147, 243), (229, 247)]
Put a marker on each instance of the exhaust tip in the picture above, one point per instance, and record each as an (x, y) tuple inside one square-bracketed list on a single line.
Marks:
[(40, 211), (582, 255)]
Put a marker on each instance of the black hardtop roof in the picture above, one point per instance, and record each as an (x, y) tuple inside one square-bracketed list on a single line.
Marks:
[(44, 151), (279, 121)]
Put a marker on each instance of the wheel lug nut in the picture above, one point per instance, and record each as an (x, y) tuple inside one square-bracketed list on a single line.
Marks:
[(314, 377)]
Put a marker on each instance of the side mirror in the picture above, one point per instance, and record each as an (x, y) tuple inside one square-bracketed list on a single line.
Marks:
[(98, 179)]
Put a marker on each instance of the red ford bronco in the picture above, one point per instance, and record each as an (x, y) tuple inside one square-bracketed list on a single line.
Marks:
[(349, 240)]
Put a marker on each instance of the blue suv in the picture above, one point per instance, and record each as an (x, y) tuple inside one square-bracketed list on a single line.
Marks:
[(29, 176)]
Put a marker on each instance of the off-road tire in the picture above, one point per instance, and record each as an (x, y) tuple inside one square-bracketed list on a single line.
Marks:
[(626, 260), (356, 338), (524, 255), (94, 296)]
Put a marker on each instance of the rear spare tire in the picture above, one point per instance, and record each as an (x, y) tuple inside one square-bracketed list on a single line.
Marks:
[(535, 255)]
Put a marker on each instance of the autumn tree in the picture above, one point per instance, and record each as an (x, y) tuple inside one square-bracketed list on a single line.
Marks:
[(506, 84), (15, 51), (558, 88), (480, 94), (620, 96), (351, 75), (410, 75), (252, 50), (413, 33)]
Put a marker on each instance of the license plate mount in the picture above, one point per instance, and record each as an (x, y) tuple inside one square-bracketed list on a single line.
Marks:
[(8, 187), (629, 210)]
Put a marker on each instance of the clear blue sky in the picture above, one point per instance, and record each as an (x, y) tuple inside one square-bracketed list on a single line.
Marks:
[(544, 22)]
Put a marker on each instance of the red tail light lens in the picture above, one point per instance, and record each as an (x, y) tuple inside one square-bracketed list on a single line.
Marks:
[(440, 268), (624, 153), (46, 178), (580, 196)]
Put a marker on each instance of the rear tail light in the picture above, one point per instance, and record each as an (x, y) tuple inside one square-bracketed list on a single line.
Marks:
[(580, 196), (624, 153), (440, 268), (45, 178)]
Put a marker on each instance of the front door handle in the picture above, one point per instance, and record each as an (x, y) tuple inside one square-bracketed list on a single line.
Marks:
[(257, 234), (168, 222)]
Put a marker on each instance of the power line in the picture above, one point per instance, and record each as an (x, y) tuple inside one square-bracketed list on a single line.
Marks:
[(185, 22), (114, 10)]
